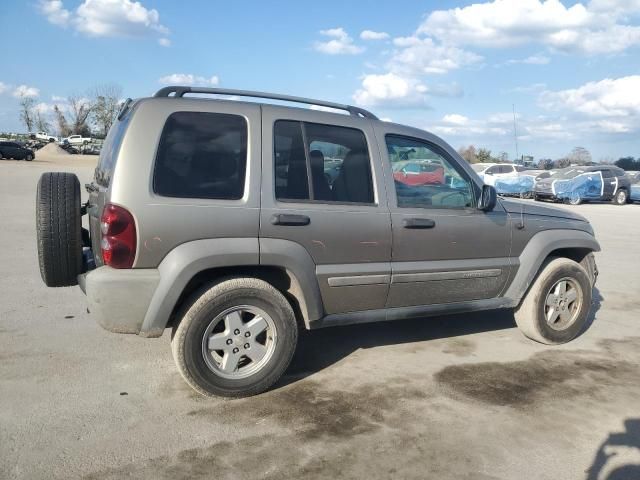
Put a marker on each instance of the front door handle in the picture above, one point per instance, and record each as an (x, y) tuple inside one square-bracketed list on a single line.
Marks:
[(418, 223), (290, 220)]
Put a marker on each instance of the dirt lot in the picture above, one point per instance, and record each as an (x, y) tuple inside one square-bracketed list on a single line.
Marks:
[(463, 397)]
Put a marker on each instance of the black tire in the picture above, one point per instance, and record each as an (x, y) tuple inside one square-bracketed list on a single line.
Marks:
[(208, 304), (28, 157), (59, 229), (1, 155), (530, 314), (621, 197), (51, 140)]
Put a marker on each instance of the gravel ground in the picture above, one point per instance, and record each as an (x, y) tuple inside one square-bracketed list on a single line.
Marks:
[(463, 397)]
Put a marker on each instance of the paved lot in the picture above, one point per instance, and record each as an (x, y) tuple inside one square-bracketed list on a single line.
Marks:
[(463, 397)]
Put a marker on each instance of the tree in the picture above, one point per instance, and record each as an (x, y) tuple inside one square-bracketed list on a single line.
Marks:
[(580, 156), (545, 164), (469, 154), (27, 105), (628, 163), (484, 155), (42, 124), (79, 111), (63, 125), (105, 106), (503, 157), (562, 163)]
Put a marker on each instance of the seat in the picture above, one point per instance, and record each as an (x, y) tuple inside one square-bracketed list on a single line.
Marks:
[(321, 189), (353, 184)]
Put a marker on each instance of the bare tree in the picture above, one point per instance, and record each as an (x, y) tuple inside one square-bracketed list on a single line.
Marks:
[(469, 154), (63, 125), (42, 124), (580, 156), (27, 105), (105, 106), (79, 111)]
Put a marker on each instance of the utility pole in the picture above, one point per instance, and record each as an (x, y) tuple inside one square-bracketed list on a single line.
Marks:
[(515, 132)]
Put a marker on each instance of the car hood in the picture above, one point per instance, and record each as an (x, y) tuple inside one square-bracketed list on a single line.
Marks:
[(527, 207)]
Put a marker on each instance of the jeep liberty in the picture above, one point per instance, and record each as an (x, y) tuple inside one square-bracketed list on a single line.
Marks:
[(236, 224)]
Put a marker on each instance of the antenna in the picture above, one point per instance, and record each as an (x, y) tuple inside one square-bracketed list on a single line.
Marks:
[(515, 132)]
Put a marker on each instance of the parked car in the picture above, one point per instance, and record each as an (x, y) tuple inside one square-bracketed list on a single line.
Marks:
[(418, 173), (16, 151), (69, 148), (210, 217), (46, 137), (575, 185), (77, 140), (91, 150), (489, 172), (634, 191)]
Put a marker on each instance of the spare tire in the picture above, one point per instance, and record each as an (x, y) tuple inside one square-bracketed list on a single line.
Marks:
[(59, 228)]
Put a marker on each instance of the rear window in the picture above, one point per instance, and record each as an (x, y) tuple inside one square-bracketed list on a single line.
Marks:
[(110, 150), (202, 155)]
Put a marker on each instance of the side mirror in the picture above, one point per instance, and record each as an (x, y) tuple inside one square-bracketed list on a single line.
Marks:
[(488, 198)]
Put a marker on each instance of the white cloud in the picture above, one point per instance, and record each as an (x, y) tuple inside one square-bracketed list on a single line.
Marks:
[(391, 89), (419, 56), (26, 91), (590, 29), (189, 79), (340, 43), (371, 35), (532, 60), (107, 18), (606, 98), (455, 119), (44, 108), (4, 87), (55, 12)]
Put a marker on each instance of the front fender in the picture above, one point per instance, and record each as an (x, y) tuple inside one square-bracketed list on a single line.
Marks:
[(538, 249)]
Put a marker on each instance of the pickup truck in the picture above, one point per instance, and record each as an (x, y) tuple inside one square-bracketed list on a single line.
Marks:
[(46, 137), (77, 140)]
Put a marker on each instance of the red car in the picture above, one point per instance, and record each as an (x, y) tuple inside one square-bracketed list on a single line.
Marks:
[(414, 173)]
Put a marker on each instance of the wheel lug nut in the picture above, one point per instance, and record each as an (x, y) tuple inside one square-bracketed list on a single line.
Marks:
[(247, 334), (246, 346), (236, 332), (235, 350), (229, 342)]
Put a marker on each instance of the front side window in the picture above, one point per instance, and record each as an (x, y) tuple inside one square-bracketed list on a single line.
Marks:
[(321, 163), (202, 155), (424, 177)]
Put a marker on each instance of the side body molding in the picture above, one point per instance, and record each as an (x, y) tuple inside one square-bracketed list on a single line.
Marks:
[(185, 261), (537, 249), (301, 270)]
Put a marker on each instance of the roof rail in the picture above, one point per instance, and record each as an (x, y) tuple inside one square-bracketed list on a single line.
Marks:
[(179, 91)]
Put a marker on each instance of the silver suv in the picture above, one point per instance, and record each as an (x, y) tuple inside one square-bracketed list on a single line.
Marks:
[(236, 224)]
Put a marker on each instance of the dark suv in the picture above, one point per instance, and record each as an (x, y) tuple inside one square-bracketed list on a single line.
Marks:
[(217, 219), (576, 185), (16, 151)]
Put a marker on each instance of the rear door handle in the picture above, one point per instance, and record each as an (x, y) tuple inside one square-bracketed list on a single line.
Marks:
[(418, 223), (290, 220)]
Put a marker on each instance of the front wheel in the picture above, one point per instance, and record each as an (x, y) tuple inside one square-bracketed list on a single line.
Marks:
[(29, 157), (556, 307), (235, 339), (620, 198)]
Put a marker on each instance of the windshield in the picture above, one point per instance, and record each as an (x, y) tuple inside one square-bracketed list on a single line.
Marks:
[(570, 173)]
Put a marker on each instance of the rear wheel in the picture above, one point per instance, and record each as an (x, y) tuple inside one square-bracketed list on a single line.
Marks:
[(574, 199), (59, 228), (620, 198), (236, 338), (556, 307)]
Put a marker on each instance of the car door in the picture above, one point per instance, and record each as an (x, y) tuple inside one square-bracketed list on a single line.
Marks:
[(490, 175), (444, 249), (609, 183), (343, 222)]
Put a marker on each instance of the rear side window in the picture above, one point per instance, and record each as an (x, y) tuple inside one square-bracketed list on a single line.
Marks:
[(202, 155), (321, 163), (110, 150)]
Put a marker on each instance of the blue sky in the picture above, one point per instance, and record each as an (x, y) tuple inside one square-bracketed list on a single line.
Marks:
[(572, 69)]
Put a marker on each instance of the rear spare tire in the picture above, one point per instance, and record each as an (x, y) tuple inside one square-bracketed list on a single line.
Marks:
[(58, 226)]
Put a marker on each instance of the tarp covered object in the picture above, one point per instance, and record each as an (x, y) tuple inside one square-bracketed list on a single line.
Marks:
[(515, 185), (635, 192), (585, 186)]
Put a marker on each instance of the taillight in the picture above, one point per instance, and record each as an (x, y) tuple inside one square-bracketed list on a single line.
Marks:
[(118, 243)]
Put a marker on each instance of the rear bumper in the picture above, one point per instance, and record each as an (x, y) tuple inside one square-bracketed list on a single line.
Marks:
[(119, 299)]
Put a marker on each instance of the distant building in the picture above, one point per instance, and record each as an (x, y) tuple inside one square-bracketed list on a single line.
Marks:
[(526, 161)]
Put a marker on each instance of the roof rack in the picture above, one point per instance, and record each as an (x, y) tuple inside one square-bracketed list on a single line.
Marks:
[(179, 91)]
